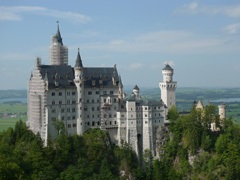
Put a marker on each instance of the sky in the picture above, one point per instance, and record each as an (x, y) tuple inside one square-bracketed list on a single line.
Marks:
[(199, 39)]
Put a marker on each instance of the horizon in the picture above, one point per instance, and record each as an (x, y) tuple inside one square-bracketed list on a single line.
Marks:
[(199, 39)]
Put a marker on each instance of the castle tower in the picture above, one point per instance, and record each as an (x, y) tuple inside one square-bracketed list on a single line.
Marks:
[(58, 52), (120, 89), (136, 92), (168, 87), (79, 82), (222, 111)]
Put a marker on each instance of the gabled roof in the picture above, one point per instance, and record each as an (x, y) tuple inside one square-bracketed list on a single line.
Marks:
[(199, 105)]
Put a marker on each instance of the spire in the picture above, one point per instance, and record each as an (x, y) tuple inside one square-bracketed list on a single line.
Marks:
[(120, 82), (46, 76), (58, 35), (78, 60), (136, 87)]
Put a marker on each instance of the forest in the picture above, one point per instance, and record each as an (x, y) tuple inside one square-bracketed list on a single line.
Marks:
[(191, 151)]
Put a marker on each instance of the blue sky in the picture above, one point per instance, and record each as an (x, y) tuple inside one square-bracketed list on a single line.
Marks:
[(199, 39)]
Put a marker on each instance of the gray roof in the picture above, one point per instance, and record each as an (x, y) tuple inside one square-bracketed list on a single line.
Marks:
[(167, 67), (136, 87), (98, 73), (78, 60), (64, 75), (58, 37)]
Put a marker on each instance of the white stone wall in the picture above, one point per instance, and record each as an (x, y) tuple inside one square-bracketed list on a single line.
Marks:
[(36, 103)]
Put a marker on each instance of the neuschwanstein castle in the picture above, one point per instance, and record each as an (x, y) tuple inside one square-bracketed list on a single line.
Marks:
[(92, 97)]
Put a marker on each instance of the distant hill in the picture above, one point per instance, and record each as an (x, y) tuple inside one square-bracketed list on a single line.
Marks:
[(7, 94)]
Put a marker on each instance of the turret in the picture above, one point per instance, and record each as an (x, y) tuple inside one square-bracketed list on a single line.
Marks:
[(167, 73), (168, 87), (136, 92), (58, 52), (222, 111), (79, 82), (120, 90)]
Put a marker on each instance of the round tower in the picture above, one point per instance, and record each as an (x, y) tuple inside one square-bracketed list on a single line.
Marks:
[(79, 82), (222, 111), (168, 87), (167, 73), (136, 92)]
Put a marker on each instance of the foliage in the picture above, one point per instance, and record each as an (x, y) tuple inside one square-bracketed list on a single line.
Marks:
[(91, 156), (196, 152)]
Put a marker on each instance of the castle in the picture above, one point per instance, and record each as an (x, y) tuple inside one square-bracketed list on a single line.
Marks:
[(92, 97)]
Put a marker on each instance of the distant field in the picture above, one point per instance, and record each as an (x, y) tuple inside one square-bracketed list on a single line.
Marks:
[(10, 122), (12, 109)]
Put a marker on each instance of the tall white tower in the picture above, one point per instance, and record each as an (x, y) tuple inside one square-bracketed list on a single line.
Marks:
[(79, 82), (58, 52), (168, 87), (222, 111)]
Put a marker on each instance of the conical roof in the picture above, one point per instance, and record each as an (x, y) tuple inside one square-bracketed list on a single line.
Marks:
[(136, 87), (168, 67), (78, 60), (58, 36)]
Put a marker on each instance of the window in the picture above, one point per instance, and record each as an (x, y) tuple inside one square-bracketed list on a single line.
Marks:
[(145, 115), (104, 92), (104, 100), (53, 110), (115, 100), (97, 92), (93, 123), (92, 116), (73, 110), (73, 102), (145, 108), (89, 92), (68, 118), (73, 93), (68, 110), (62, 117), (93, 101), (53, 93), (111, 92), (93, 109), (87, 101), (53, 102), (74, 125), (69, 125), (60, 93), (73, 117), (60, 102)]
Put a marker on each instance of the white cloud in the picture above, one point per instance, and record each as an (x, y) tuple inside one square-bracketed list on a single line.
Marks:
[(232, 28), (174, 42), (14, 13), (195, 7), (135, 66)]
